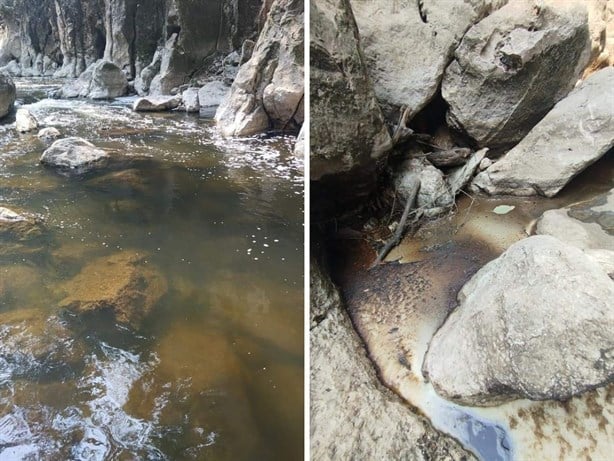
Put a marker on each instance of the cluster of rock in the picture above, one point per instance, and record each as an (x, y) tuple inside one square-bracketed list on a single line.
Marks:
[(501, 97), (496, 74)]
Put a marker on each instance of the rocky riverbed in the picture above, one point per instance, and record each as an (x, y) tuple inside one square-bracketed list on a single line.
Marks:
[(152, 304)]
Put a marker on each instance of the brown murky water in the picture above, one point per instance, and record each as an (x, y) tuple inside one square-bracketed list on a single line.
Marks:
[(215, 371), (397, 307)]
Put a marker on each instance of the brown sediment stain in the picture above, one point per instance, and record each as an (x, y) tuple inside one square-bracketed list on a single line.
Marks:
[(513, 422)]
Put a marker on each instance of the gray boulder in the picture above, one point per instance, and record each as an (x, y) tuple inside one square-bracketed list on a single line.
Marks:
[(211, 96), (108, 81), (73, 154), (512, 67), (353, 416), (536, 323), (101, 80), (7, 94), (156, 103), (587, 225), (576, 132), (268, 89), (190, 100), (349, 139), (25, 121), (408, 45)]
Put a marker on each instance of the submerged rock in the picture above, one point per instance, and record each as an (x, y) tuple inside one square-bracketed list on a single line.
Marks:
[(7, 94), (123, 283), (353, 416), (536, 323), (19, 226), (268, 89), (73, 154), (576, 132), (25, 121), (156, 103), (512, 67), (348, 137)]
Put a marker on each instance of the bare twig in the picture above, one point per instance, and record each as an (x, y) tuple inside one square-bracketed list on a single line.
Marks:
[(466, 218), (402, 131), (398, 233)]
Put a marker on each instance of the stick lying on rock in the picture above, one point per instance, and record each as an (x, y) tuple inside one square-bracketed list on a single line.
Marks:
[(413, 188)]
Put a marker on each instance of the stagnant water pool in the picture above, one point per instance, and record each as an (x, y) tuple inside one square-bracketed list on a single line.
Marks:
[(215, 371)]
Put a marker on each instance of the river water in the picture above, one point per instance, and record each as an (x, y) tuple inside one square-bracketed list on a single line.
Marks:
[(215, 371)]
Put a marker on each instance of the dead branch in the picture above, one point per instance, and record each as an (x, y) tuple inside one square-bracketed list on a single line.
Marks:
[(398, 233)]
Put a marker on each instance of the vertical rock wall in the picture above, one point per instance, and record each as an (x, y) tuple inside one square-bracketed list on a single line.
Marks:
[(62, 37)]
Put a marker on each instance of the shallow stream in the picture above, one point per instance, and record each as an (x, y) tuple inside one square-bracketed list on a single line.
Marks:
[(215, 371), (397, 307)]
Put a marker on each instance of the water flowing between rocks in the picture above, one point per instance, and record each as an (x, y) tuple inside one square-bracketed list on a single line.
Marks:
[(215, 371), (397, 307)]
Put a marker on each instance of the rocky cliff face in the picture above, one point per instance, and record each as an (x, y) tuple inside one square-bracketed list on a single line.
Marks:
[(63, 37)]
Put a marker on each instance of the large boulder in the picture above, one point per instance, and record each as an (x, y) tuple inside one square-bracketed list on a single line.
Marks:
[(211, 96), (408, 45), (512, 67), (123, 283), (7, 94), (268, 90), (349, 139), (353, 416), (102, 80), (576, 132), (536, 323), (74, 154)]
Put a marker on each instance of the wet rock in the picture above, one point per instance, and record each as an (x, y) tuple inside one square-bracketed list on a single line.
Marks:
[(156, 103), (102, 80), (210, 96), (299, 145), (408, 45), (25, 121), (7, 94), (434, 197), (36, 346), (49, 133), (123, 283), (348, 137), (345, 387), (512, 67), (190, 100), (268, 89), (73, 154), (587, 225), (576, 132), (536, 323), (19, 226)]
